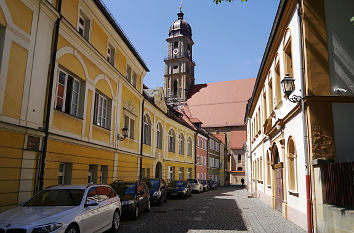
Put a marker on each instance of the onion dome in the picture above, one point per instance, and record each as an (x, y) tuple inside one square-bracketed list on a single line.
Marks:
[(180, 27)]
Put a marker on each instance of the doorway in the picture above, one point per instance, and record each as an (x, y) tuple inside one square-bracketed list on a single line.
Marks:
[(158, 170)]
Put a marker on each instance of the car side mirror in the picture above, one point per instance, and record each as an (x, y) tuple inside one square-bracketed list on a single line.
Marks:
[(91, 203)]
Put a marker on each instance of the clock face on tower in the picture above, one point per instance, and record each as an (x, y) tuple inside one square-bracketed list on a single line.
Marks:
[(175, 51)]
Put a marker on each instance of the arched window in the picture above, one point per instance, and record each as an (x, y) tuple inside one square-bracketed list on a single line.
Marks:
[(189, 147), (147, 130), (171, 141), (181, 144), (159, 136), (292, 174), (175, 87), (175, 45)]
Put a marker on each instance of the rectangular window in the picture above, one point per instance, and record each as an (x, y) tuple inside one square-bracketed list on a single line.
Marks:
[(83, 26), (102, 111), (129, 74), (197, 142), (181, 173), (92, 174), (129, 123), (143, 173), (69, 98), (198, 159), (104, 174), (189, 173), (64, 174), (110, 54), (171, 174), (134, 79), (147, 172)]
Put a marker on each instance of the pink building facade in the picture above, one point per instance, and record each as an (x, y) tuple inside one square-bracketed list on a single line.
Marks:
[(201, 162)]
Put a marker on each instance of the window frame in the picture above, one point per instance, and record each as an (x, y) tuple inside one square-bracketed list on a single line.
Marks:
[(86, 28), (74, 79), (171, 141), (181, 142), (131, 132), (111, 53), (159, 140), (147, 130)]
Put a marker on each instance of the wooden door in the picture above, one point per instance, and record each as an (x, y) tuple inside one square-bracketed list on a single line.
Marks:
[(279, 192)]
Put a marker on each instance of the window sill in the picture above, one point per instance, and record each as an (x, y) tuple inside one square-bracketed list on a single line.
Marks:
[(68, 115), (102, 128), (293, 193)]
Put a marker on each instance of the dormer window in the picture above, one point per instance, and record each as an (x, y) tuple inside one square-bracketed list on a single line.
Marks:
[(83, 26)]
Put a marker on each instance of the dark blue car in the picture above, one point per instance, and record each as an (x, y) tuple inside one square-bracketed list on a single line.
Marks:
[(158, 190)]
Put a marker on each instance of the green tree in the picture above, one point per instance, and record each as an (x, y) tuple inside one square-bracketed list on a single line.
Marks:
[(219, 1)]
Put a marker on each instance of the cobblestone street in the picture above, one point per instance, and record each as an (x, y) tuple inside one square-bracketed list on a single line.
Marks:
[(224, 210)]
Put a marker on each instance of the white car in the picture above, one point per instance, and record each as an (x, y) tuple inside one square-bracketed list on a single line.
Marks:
[(196, 186), (66, 208)]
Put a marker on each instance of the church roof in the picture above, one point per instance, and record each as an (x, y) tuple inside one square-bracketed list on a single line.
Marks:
[(220, 104)]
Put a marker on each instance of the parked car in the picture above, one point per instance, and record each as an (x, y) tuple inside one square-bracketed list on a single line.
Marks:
[(158, 190), (212, 185), (134, 196), (196, 186), (205, 185), (66, 208), (179, 189)]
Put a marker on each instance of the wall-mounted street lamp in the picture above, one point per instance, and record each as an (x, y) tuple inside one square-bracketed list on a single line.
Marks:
[(124, 136), (288, 85)]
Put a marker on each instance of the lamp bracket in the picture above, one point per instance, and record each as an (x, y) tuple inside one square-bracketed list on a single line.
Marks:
[(294, 98)]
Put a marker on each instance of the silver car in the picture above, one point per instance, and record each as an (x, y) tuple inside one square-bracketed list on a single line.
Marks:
[(66, 208), (196, 186)]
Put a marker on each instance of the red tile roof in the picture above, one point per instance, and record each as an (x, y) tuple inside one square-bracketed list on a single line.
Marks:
[(221, 137), (238, 138), (220, 104)]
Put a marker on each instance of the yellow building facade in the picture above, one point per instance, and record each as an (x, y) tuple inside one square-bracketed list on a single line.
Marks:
[(70, 81)]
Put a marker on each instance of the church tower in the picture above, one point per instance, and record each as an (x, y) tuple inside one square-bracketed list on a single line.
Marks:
[(179, 65)]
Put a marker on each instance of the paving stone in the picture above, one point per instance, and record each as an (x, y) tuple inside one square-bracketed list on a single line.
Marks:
[(226, 210)]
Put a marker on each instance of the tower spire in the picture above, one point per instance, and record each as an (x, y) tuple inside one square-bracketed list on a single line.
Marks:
[(180, 13)]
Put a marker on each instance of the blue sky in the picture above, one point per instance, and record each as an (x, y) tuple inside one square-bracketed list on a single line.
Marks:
[(229, 38)]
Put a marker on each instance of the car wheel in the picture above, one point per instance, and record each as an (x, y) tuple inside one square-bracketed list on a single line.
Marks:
[(148, 207), (136, 212), (116, 220), (72, 229)]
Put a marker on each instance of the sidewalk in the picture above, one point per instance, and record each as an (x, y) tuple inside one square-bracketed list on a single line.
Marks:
[(259, 217)]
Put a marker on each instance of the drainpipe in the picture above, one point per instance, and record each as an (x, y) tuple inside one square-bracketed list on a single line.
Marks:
[(50, 91), (141, 140), (304, 125), (195, 155)]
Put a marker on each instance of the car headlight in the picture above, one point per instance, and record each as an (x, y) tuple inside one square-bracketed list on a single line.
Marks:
[(129, 202), (47, 227), (157, 193)]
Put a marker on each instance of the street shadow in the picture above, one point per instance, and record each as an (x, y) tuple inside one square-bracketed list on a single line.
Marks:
[(210, 211)]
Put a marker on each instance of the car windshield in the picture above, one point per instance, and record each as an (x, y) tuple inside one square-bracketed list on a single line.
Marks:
[(125, 188), (178, 184), (203, 182), (192, 181), (211, 182), (153, 184), (57, 197)]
